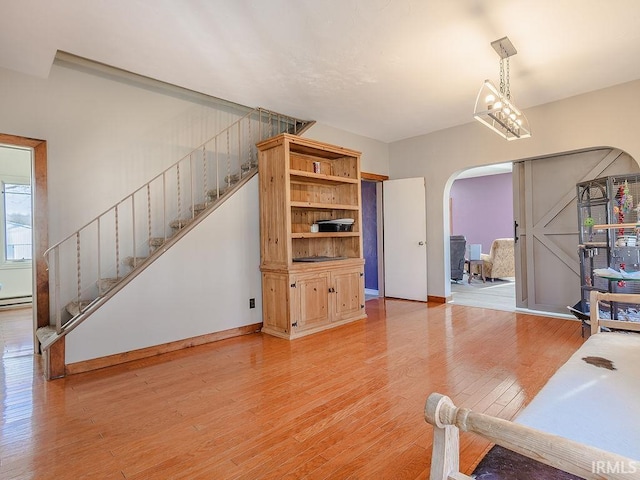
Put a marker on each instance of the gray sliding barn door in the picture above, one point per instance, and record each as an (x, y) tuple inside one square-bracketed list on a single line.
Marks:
[(544, 190)]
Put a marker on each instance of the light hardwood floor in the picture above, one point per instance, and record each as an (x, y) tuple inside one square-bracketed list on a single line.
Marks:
[(497, 295), (345, 403), (16, 332)]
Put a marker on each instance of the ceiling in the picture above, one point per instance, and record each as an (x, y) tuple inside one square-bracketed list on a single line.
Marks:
[(386, 69)]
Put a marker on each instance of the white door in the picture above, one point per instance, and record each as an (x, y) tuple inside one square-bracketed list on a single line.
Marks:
[(405, 232)]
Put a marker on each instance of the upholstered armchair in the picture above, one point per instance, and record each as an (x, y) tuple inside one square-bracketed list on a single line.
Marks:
[(501, 260), (458, 245)]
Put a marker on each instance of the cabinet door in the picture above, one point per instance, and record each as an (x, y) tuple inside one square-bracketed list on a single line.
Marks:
[(275, 303), (347, 291), (310, 305)]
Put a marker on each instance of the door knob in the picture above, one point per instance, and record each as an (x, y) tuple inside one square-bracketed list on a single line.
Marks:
[(420, 243)]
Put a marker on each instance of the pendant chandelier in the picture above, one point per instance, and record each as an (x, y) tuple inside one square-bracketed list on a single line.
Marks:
[(494, 107)]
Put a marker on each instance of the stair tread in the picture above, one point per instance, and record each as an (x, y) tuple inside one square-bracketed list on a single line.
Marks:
[(235, 178), (180, 222), (232, 178), (74, 308), (198, 207), (214, 192), (45, 333), (106, 284), (129, 261), (249, 166), (110, 280), (156, 241)]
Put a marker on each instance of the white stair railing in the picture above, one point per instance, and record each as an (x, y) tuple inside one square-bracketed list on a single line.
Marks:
[(88, 264)]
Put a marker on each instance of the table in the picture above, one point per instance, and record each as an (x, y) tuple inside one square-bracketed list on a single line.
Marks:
[(470, 264)]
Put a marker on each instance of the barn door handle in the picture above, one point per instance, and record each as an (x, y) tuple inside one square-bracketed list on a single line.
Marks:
[(515, 231)]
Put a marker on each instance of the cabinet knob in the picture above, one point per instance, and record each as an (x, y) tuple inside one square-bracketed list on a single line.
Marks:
[(420, 243)]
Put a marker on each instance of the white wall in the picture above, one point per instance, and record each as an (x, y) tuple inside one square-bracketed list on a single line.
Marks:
[(200, 285), (105, 137), (375, 154), (605, 118)]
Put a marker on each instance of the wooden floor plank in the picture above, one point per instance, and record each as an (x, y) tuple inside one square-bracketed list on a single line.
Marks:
[(16, 331), (344, 403)]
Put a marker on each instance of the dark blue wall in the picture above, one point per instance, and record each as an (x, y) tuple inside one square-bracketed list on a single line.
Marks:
[(370, 234)]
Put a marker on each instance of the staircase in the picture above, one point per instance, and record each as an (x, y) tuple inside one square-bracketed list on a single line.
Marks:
[(92, 264)]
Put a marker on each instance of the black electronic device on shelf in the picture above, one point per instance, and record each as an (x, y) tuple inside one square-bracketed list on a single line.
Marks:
[(337, 225)]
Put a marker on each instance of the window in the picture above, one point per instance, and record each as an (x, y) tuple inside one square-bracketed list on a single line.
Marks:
[(17, 221)]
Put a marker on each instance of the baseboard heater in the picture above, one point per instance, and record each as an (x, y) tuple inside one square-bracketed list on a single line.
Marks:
[(15, 301)]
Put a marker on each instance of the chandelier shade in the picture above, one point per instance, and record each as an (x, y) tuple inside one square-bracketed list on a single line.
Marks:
[(494, 106), (498, 113)]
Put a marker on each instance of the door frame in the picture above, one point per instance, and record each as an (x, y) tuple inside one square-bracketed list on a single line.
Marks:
[(41, 228)]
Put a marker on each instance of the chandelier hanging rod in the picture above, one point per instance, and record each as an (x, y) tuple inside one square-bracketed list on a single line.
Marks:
[(494, 107)]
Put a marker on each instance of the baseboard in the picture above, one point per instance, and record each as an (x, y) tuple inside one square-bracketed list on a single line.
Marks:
[(119, 358), (303, 333), (430, 298), (437, 299)]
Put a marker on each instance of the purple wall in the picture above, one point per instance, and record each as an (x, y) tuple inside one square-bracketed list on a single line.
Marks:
[(482, 209)]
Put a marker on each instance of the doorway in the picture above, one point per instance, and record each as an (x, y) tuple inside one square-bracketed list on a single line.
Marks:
[(545, 225), (405, 199), (481, 210), (16, 250), (370, 238), (15, 192), (372, 244)]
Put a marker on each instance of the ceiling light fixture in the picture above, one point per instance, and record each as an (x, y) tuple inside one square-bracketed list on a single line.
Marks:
[(494, 106)]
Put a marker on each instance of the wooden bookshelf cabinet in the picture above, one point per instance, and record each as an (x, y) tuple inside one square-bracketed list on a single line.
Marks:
[(311, 281)]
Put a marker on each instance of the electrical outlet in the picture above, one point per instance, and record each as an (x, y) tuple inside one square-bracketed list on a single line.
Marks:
[(252, 303)]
